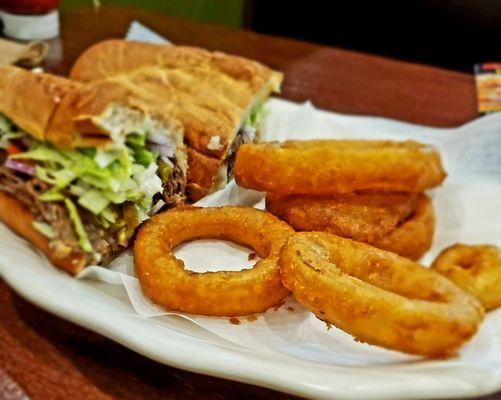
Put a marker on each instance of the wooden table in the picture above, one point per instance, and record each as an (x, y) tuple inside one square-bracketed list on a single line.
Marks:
[(53, 359)]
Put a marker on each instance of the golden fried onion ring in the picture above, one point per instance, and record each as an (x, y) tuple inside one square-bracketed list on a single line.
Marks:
[(401, 223), (413, 237), (224, 293), (326, 167), (377, 296), (476, 269), (363, 216)]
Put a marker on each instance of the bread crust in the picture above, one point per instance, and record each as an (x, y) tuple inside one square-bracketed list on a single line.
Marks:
[(66, 113), (209, 93), (74, 122), (176, 96), (17, 217), (115, 56), (202, 173), (44, 92)]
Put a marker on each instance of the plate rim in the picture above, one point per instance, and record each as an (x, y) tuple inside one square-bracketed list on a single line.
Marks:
[(240, 364)]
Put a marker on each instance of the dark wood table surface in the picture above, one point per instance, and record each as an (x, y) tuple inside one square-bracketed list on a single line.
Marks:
[(54, 359)]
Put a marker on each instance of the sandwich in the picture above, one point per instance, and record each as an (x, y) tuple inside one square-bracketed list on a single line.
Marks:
[(81, 166), (217, 98)]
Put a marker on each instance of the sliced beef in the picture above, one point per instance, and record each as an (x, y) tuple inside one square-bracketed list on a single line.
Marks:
[(28, 189), (175, 187), (12, 183), (104, 243), (241, 138)]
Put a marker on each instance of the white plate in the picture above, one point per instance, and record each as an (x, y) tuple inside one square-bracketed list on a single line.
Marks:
[(106, 309)]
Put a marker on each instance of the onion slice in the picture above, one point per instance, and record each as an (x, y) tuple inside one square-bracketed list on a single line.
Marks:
[(157, 206), (20, 167)]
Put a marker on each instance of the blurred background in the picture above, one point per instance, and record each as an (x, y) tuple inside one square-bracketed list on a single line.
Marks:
[(223, 12), (453, 34)]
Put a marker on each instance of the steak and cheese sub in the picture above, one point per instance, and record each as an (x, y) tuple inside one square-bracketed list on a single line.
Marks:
[(81, 166), (217, 98)]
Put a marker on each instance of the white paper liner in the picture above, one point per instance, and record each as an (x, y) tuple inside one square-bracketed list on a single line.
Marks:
[(140, 33), (468, 209)]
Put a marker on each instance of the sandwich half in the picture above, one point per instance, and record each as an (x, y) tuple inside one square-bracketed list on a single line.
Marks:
[(217, 98), (81, 166)]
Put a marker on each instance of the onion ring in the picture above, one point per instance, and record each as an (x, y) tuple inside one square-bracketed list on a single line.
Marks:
[(476, 269), (363, 217), (378, 296), (413, 237), (224, 293), (327, 167)]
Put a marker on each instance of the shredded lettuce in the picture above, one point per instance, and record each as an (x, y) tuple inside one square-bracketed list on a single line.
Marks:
[(99, 180), (83, 238), (108, 216), (148, 180), (44, 229), (7, 137), (5, 125), (136, 140), (103, 158), (43, 152), (252, 124), (99, 177), (94, 201), (52, 195), (8, 131), (60, 179), (256, 116), (78, 190), (144, 157)]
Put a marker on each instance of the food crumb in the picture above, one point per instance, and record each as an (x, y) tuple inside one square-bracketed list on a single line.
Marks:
[(252, 256), (328, 325), (279, 305), (215, 143), (290, 308), (234, 321), (251, 318)]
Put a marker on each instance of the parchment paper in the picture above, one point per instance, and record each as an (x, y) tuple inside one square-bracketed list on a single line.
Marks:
[(468, 209)]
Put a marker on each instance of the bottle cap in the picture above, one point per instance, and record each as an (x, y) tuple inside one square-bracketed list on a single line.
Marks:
[(31, 27)]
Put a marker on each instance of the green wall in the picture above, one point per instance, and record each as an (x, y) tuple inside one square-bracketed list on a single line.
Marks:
[(224, 12)]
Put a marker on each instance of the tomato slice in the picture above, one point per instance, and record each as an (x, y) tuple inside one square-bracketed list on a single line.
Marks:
[(13, 149)]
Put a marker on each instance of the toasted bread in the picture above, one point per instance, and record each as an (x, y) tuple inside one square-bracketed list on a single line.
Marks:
[(210, 94)]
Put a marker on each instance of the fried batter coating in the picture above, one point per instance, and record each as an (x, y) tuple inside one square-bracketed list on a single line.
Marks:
[(363, 216), (401, 223), (224, 293), (414, 236), (329, 167), (377, 296), (476, 269)]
